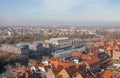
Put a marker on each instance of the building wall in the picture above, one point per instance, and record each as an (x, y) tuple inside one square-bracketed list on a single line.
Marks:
[(78, 76), (116, 54), (35, 49), (64, 74), (64, 42), (50, 74)]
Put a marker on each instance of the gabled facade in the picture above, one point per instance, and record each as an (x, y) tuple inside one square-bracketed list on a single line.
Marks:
[(50, 74)]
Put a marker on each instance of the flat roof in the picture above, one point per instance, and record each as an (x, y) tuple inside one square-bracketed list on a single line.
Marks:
[(62, 38)]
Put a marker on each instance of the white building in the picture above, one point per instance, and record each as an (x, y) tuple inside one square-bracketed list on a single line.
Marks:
[(60, 41)]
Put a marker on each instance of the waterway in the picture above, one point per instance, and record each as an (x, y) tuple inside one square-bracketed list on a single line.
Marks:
[(63, 53)]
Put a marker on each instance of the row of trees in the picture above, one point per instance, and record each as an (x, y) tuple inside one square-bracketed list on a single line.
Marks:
[(30, 38)]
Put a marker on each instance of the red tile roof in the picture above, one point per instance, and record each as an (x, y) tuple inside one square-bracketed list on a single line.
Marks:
[(77, 54), (83, 70), (93, 60), (56, 62), (71, 70), (58, 66), (57, 70), (85, 56), (67, 64), (110, 74), (102, 44)]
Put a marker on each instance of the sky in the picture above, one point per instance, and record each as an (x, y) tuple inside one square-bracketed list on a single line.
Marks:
[(59, 12)]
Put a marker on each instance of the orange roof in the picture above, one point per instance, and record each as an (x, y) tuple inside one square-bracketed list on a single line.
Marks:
[(56, 62), (108, 48), (67, 64), (101, 43), (85, 56), (93, 60), (76, 53), (110, 74), (79, 54)]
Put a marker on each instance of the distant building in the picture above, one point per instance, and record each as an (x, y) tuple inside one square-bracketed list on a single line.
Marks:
[(48, 48), (24, 49), (60, 41), (47, 45), (21, 50), (35, 48)]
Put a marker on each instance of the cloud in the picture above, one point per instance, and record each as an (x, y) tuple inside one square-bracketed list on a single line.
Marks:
[(75, 6), (65, 11), (88, 10), (60, 5)]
